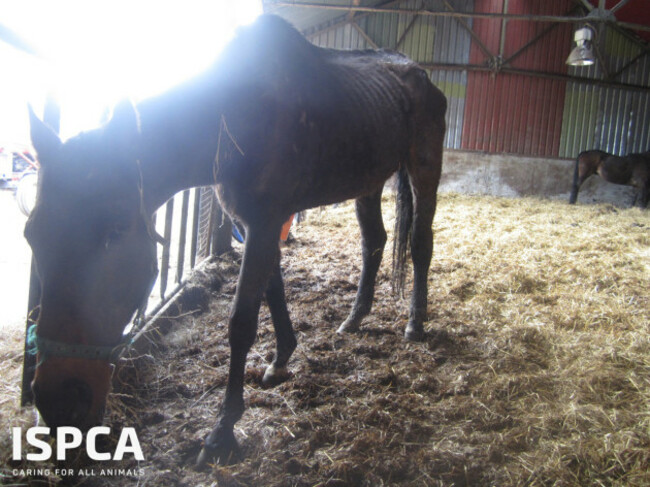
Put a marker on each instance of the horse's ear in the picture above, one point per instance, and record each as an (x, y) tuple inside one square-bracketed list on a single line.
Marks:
[(44, 140), (124, 125)]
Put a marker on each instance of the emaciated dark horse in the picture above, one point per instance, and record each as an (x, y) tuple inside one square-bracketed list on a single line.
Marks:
[(631, 170), (277, 125)]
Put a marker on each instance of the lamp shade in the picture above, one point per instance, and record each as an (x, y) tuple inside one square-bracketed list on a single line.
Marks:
[(582, 55)]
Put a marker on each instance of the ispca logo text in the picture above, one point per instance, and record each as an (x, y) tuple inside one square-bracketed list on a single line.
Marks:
[(69, 438)]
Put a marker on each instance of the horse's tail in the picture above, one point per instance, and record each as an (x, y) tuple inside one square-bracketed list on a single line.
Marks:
[(576, 182), (402, 234)]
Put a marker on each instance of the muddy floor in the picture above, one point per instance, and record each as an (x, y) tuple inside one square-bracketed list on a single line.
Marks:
[(535, 369)]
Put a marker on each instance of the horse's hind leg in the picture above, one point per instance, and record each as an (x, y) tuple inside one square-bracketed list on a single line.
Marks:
[(421, 253), (424, 173), (284, 335), (373, 240)]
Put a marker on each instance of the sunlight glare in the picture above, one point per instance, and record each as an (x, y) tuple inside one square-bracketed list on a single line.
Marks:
[(100, 52)]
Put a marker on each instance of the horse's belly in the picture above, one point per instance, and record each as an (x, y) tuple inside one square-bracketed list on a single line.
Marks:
[(313, 162), (614, 175)]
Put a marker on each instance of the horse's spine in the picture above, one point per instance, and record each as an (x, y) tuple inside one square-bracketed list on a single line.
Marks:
[(402, 233)]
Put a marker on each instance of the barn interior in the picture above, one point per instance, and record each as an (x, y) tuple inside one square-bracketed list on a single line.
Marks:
[(535, 367), (518, 114)]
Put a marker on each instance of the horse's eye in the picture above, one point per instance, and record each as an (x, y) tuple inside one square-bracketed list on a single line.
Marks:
[(115, 234)]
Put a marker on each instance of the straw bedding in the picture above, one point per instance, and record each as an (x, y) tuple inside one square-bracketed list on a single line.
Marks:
[(535, 369)]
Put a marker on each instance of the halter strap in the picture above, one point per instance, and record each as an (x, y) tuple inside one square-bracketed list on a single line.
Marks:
[(53, 348)]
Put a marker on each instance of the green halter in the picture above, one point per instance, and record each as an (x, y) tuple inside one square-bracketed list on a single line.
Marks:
[(51, 348)]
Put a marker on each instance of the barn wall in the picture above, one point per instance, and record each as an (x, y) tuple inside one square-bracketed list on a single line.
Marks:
[(452, 42), (513, 113), (428, 40), (609, 119), (496, 113), (345, 37)]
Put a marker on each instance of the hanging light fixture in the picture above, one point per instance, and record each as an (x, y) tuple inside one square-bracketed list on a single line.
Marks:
[(582, 54)]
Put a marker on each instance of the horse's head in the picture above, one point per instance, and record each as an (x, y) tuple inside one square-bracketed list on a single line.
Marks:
[(95, 257)]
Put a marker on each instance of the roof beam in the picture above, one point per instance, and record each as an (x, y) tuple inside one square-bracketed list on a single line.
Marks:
[(466, 15), (341, 21), (618, 5), (535, 74), (352, 13), (406, 31), (363, 34), (492, 65), (471, 32), (615, 75), (586, 4), (504, 24), (530, 43)]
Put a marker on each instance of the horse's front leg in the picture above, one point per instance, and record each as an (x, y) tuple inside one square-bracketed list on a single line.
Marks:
[(261, 255)]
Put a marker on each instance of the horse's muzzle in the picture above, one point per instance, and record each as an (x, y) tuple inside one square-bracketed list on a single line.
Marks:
[(72, 392), (67, 405)]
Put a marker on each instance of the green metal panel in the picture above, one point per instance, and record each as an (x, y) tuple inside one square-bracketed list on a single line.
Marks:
[(579, 119), (608, 118)]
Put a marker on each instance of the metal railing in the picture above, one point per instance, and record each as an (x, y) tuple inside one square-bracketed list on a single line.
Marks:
[(188, 234)]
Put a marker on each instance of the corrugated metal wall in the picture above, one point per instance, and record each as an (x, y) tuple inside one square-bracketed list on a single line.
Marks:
[(609, 119), (452, 42), (508, 112), (345, 37), (427, 40), (514, 113)]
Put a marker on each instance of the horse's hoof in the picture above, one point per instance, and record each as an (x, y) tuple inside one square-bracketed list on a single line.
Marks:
[(223, 451), (414, 333), (348, 326), (275, 375)]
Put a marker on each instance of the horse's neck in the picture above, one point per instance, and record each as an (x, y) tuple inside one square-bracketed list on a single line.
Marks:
[(179, 140)]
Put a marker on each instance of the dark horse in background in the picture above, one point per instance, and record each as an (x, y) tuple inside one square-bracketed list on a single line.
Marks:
[(631, 170), (277, 125)]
